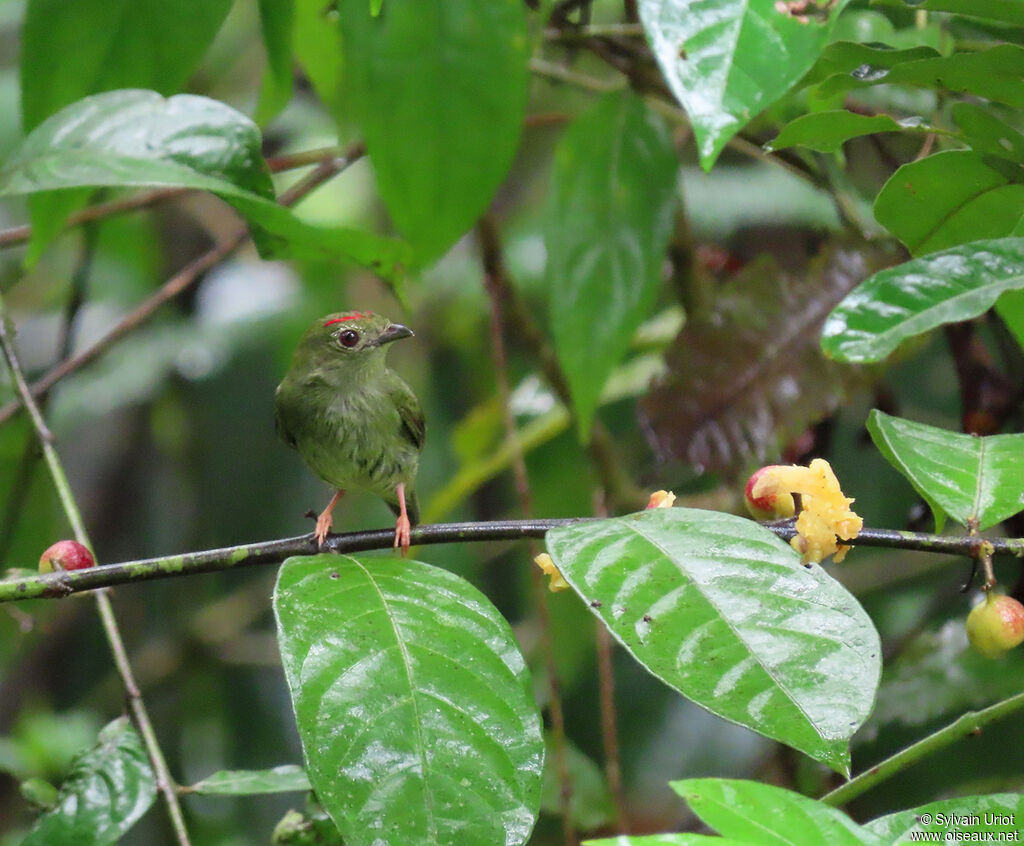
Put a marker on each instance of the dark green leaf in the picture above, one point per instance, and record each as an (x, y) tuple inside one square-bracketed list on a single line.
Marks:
[(413, 702), (70, 50), (316, 41), (845, 57), (1011, 309), (134, 139), (720, 609), (826, 132), (967, 477), (287, 778), (921, 294), (439, 88), (1003, 11), (763, 813), (276, 21), (995, 74), (997, 812), (613, 195), (110, 786), (727, 60), (951, 198), (988, 134), (728, 400)]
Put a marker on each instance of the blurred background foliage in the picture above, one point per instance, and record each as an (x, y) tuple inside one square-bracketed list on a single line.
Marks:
[(170, 444)]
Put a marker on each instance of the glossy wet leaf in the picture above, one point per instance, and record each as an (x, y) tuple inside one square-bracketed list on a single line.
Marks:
[(138, 139), (413, 702), (763, 813), (916, 296), (848, 57), (996, 74), (826, 132), (963, 476), (439, 90), (108, 789), (1006, 810), (720, 609), (729, 400), (284, 779), (71, 50), (951, 198), (727, 60), (613, 195)]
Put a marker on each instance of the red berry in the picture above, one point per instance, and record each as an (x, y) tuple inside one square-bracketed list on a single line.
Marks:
[(772, 504), (996, 625), (66, 555)]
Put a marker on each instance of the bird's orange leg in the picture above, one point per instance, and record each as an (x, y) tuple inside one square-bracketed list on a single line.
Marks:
[(325, 520), (402, 524)]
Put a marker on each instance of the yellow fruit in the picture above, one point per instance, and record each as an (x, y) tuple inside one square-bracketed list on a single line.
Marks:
[(995, 625)]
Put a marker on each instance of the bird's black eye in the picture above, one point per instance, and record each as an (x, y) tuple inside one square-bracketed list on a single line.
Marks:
[(348, 338)]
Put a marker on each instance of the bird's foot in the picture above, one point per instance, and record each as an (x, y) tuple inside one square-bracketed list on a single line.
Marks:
[(402, 533), (323, 526)]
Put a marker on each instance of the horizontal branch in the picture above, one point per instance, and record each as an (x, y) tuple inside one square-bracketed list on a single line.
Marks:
[(61, 584)]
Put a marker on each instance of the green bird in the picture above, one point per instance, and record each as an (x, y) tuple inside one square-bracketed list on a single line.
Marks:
[(354, 421)]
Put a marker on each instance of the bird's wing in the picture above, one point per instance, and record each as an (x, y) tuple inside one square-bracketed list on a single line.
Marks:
[(414, 426), (279, 421)]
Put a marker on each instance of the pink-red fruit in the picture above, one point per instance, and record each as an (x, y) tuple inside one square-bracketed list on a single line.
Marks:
[(66, 555), (996, 625), (772, 504)]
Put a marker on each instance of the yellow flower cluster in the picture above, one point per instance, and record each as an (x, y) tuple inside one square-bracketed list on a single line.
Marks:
[(825, 515), (548, 566)]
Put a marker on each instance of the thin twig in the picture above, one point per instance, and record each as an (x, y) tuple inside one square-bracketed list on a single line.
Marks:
[(165, 783), (180, 282), (56, 585), (494, 275), (970, 723)]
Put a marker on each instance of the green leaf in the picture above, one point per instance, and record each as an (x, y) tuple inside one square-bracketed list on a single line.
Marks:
[(951, 198), (413, 702), (916, 296), (136, 139), (109, 788), (720, 609), (727, 60), (847, 57), (765, 814), (995, 74), (684, 839), (316, 42), (70, 50), (613, 196), (439, 89), (967, 477), (988, 134), (1011, 309), (287, 778), (996, 812), (1002, 11), (826, 132), (277, 18)]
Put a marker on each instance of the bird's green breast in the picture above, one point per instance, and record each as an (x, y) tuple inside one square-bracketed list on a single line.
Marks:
[(349, 437)]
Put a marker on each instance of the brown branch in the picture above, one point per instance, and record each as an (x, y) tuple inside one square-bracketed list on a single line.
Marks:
[(180, 282)]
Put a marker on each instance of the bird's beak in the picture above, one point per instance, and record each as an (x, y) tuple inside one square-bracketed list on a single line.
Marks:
[(395, 332)]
